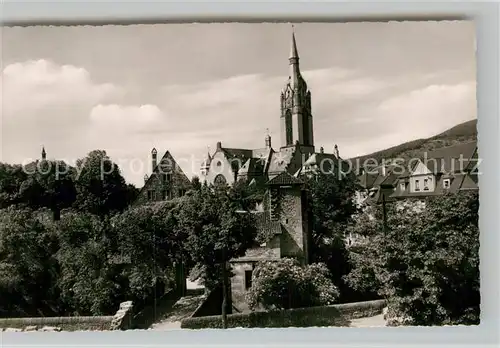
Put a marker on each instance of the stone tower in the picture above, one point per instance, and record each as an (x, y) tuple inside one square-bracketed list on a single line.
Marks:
[(296, 118)]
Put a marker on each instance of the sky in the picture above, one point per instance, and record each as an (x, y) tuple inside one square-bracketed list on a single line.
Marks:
[(184, 87)]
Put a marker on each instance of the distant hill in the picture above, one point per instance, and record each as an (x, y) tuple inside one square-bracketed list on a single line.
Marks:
[(461, 133)]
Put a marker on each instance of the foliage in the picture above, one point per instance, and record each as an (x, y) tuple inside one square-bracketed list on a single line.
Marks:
[(148, 244), (215, 230), (88, 280), (38, 184), (101, 187), (332, 210), (28, 268), (286, 284), (427, 262)]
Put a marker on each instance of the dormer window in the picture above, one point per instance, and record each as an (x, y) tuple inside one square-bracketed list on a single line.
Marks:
[(402, 186), (446, 183), (426, 185)]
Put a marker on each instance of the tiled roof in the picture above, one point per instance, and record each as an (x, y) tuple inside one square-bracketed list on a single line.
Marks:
[(265, 225), (285, 178)]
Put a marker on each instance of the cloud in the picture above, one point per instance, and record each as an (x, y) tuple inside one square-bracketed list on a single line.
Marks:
[(46, 103), (39, 83), (126, 119), (419, 113)]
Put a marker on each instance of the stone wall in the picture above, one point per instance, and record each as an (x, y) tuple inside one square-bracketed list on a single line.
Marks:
[(89, 323), (122, 320), (292, 239), (336, 315)]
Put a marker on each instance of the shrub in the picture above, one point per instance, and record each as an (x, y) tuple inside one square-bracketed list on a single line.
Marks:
[(286, 284)]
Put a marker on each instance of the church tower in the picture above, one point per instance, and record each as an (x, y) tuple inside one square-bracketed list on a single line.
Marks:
[(296, 118)]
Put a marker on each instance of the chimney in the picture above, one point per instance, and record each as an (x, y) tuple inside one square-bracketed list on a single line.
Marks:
[(146, 177), (383, 170), (268, 139), (321, 149), (153, 161), (336, 151), (219, 146)]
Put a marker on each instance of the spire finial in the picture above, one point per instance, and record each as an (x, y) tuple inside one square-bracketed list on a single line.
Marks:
[(44, 154), (293, 50)]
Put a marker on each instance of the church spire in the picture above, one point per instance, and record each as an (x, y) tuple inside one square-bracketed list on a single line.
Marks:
[(294, 62), (44, 154), (294, 54)]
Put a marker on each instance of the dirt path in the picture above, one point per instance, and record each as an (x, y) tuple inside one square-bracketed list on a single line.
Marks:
[(181, 309)]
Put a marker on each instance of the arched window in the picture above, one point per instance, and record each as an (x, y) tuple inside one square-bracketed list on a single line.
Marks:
[(288, 128), (220, 180)]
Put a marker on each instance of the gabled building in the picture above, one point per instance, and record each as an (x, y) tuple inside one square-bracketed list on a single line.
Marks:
[(446, 170), (166, 181)]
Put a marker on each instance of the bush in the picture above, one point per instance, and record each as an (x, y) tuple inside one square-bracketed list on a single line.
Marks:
[(286, 284)]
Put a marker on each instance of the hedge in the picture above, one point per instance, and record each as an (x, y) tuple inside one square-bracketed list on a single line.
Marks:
[(336, 315)]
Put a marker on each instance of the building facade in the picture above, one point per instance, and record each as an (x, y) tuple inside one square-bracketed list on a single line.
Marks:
[(166, 181)]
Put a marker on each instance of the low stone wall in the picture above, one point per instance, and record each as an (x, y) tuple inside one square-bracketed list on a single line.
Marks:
[(336, 315), (91, 323), (122, 320)]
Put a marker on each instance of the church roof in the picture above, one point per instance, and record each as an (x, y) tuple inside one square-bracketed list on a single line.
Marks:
[(285, 178)]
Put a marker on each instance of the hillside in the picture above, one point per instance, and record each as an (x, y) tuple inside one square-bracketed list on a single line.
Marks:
[(461, 133)]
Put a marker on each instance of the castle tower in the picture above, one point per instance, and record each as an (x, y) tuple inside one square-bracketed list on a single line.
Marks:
[(296, 118)]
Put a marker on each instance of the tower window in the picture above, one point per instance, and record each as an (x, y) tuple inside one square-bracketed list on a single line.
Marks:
[(151, 195), (446, 183), (248, 279), (289, 128)]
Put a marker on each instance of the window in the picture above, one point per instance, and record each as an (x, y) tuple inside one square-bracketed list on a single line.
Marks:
[(151, 195), (426, 185), (417, 185), (164, 194), (248, 279), (182, 192), (446, 183)]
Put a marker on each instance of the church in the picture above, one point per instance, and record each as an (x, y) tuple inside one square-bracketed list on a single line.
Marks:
[(296, 152), (283, 216)]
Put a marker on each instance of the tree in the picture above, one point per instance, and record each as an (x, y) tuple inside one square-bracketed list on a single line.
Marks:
[(216, 233), (38, 184), (285, 284), (101, 187), (88, 281), (28, 267), (148, 245), (427, 263), (333, 209)]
